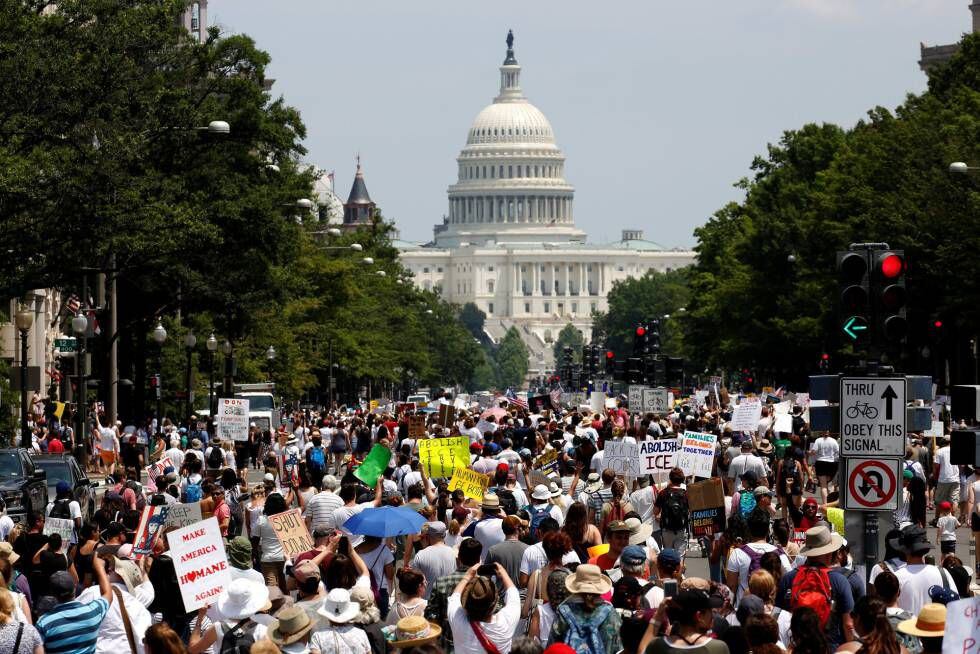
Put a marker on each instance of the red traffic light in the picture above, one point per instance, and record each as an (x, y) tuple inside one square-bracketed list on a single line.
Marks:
[(891, 265), (825, 356), (610, 354), (938, 324), (641, 330)]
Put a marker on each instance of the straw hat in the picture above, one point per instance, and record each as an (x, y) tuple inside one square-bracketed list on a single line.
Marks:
[(588, 578), (491, 502), (819, 541), (931, 622), (414, 631), (291, 624)]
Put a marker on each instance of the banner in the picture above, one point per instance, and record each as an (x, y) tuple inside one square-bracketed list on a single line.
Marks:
[(962, 634), (473, 484), (747, 415), (441, 456), (697, 453), (658, 457), (416, 427), (181, 515), (63, 526), (292, 532), (374, 464), (200, 562), (706, 500), (232, 419), (151, 523), (622, 458)]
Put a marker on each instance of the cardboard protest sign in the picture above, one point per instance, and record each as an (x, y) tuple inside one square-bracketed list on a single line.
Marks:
[(706, 500), (657, 400), (547, 463), (747, 415), (697, 453), (441, 456), (63, 526), (374, 464), (962, 627), (473, 484), (835, 517), (658, 457), (200, 562), (292, 532), (181, 515), (447, 415), (416, 427), (622, 457), (151, 524), (232, 419), (935, 430)]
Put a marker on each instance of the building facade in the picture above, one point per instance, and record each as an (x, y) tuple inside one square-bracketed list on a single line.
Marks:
[(509, 243), (931, 56)]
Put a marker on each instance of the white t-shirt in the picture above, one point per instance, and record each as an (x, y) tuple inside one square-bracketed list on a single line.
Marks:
[(947, 525), (597, 462), (914, 580), (343, 514), (825, 449), (499, 631), (107, 439), (642, 501), (376, 560), (739, 562), (534, 558), (112, 631), (489, 533), (948, 473), (473, 433)]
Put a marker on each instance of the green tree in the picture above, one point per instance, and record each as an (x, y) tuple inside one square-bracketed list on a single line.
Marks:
[(512, 360), (485, 374), (473, 318), (569, 336)]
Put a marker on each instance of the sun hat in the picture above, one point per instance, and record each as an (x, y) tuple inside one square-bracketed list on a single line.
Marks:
[(291, 440), (413, 631), (491, 502), (243, 598), (913, 540), (820, 541), (337, 606), (555, 490), (480, 594), (594, 482), (588, 578), (128, 571), (7, 552), (290, 625), (765, 447), (239, 551), (930, 623), (196, 442), (639, 532), (541, 493)]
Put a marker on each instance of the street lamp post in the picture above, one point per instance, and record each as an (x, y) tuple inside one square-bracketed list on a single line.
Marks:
[(24, 321), (229, 383), (79, 325), (270, 356), (212, 345), (159, 337), (189, 342)]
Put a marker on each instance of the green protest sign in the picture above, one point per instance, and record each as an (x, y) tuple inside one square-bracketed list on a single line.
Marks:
[(374, 464)]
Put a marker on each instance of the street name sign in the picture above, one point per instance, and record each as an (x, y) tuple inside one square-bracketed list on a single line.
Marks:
[(872, 416), (872, 484), (65, 344)]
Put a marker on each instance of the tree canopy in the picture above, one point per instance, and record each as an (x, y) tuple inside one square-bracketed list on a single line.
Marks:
[(569, 336)]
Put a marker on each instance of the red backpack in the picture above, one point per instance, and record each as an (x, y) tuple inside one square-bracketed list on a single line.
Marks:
[(811, 588), (616, 512)]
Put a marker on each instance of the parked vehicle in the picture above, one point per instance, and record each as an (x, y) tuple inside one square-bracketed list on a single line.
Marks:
[(64, 467), (23, 485)]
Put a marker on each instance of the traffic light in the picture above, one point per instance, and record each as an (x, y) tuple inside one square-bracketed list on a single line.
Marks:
[(937, 330), (854, 286), (748, 381), (653, 336), (890, 295), (610, 363), (824, 362), (674, 372), (640, 340), (634, 370)]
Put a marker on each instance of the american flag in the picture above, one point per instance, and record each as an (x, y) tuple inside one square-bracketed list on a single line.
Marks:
[(513, 399), (556, 396), (73, 304)]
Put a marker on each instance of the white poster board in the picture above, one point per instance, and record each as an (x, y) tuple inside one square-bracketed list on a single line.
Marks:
[(63, 526), (656, 400), (232, 419), (622, 457), (182, 515), (747, 415), (784, 424), (658, 457), (597, 402), (200, 562), (697, 453), (962, 627), (635, 397)]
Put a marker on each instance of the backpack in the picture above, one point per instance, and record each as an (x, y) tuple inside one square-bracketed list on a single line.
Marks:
[(726, 459), (673, 516), (585, 635), (507, 500), (538, 514), (811, 588), (193, 493), (755, 557), (239, 639), (61, 509), (615, 513), (746, 502), (216, 458), (318, 461), (911, 643)]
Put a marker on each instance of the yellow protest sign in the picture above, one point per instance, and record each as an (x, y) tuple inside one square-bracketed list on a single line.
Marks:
[(473, 484), (441, 456), (373, 404), (59, 409)]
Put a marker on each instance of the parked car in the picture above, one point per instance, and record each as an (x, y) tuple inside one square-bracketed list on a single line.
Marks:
[(64, 467), (23, 485)]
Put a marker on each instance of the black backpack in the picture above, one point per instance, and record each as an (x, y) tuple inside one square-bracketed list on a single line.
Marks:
[(61, 509), (673, 515), (216, 458), (239, 639), (507, 500)]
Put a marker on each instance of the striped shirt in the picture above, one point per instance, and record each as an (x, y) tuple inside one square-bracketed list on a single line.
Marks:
[(72, 627), (320, 508)]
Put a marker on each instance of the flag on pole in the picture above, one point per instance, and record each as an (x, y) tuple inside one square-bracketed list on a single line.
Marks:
[(514, 399), (73, 304)]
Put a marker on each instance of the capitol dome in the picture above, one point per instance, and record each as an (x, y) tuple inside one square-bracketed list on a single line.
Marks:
[(511, 185), (331, 207)]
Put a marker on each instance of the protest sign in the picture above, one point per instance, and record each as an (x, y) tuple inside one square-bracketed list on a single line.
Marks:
[(697, 453), (635, 397), (573, 399), (181, 515), (622, 458), (63, 526), (747, 415), (373, 404), (447, 414), (374, 464), (935, 430), (835, 517), (657, 457), (597, 402), (441, 456), (404, 407), (200, 562), (656, 400), (962, 634), (154, 470), (416, 427), (539, 403), (232, 419), (150, 525), (784, 424), (547, 463), (292, 532), (473, 484), (706, 500)]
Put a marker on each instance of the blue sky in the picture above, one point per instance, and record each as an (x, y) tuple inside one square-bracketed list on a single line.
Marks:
[(659, 107)]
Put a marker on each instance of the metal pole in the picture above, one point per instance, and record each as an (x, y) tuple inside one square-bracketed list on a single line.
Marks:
[(187, 404), (82, 343), (330, 378), (160, 390), (25, 436), (211, 383), (112, 398)]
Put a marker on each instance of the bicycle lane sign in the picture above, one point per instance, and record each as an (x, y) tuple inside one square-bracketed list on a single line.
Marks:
[(872, 416)]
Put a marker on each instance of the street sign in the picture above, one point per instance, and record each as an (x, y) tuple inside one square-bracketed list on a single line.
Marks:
[(872, 416), (65, 344), (656, 400), (635, 397), (872, 484), (855, 327)]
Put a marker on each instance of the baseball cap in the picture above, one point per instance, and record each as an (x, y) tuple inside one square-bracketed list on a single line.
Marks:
[(669, 556), (943, 506), (762, 490), (61, 583), (633, 555), (476, 448), (436, 528), (306, 570), (63, 487)]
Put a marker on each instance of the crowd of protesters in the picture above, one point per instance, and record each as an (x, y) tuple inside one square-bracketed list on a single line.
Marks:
[(575, 558)]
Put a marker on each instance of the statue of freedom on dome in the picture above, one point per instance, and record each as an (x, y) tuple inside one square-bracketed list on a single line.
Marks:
[(510, 39)]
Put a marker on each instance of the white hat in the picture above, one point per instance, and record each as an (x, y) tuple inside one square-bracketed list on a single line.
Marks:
[(541, 493), (243, 598), (555, 490), (269, 477), (338, 607)]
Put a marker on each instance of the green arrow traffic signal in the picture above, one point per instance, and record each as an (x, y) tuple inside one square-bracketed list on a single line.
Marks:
[(854, 326)]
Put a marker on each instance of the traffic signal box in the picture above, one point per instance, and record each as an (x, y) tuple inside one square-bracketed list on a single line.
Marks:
[(873, 297)]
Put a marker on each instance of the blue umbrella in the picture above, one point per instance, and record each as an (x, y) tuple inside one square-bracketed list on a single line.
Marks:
[(385, 521)]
